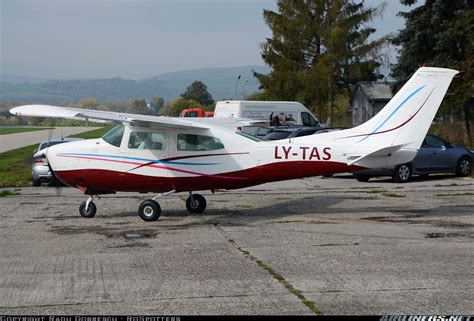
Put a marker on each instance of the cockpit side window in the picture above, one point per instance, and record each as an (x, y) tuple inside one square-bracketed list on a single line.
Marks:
[(197, 143), (147, 140), (114, 136)]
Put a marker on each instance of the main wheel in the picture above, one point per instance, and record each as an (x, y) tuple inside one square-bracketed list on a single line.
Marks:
[(464, 166), (91, 209), (362, 178), (36, 182), (149, 210), (402, 173), (196, 203)]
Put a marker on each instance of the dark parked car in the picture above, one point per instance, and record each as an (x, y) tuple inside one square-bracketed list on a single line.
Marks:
[(435, 156), (284, 132), (290, 132), (40, 170)]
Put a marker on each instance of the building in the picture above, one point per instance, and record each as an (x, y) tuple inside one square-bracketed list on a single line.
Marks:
[(369, 99)]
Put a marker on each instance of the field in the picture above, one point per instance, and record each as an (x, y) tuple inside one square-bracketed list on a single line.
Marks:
[(15, 165)]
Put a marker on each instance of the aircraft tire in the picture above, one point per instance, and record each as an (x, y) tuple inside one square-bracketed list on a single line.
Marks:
[(196, 203), (91, 210), (149, 210)]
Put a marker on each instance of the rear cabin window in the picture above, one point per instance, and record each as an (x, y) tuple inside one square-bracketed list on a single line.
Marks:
[(114, 136), (147, 140), (197, 143)]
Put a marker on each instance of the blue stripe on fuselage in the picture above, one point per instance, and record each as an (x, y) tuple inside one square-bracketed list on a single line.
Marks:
[(137, 158)]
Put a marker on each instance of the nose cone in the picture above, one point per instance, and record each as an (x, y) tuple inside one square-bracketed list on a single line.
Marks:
[(61, 159), (52, 156)]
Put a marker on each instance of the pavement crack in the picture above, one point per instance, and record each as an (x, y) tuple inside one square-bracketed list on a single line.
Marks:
[(280, 278), (109, 301)]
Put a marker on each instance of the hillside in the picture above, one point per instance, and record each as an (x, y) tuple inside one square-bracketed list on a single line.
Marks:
[(220, 83)]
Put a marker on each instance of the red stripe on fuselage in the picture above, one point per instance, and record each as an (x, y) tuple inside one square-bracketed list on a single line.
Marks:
[(98, 180), (145, 165)]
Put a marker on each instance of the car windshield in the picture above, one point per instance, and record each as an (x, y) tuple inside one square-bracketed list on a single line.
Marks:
[(49, 144), (276, 135), (252, 137)]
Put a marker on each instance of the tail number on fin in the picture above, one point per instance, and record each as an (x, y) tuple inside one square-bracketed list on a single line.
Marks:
[(302, 153)]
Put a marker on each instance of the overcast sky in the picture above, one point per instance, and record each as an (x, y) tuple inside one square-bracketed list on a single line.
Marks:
[(138, 38)]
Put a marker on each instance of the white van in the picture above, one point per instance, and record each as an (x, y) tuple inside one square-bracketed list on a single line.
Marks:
[(275, 112)]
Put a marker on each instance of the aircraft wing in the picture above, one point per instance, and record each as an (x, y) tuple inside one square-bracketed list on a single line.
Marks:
[(104, 116)]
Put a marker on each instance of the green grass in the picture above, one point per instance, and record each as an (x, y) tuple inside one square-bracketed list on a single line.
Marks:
[(390, 194), (456, 194), (376, 191), (93, 133), (14, 130), (15, 165), (7, 193)]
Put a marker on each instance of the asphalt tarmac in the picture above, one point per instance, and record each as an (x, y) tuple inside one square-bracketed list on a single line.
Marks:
[(312, 246), (13, 141)]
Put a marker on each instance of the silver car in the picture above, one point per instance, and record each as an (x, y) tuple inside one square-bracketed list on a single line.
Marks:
[(40, 171), (435, 156)]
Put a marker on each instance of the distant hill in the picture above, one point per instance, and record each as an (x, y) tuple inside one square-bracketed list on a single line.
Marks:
[(16, 79), (220, 83)]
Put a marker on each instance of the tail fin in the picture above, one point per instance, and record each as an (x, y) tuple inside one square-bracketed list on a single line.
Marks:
[(405, 120)]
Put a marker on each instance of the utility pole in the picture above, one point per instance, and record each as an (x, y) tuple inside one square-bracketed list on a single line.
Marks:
[(236, 84)]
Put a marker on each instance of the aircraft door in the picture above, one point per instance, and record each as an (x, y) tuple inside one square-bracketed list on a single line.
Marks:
[(436, 153), (143, 151)]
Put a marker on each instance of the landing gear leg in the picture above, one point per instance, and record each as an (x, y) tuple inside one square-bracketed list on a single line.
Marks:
[(196, 203), (87, 208)]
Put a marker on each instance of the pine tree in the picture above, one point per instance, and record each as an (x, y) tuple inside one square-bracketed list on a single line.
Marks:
[(440, 33), (198, 91), (319, 49)]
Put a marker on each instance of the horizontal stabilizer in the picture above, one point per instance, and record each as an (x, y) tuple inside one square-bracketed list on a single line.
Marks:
[(377, 155)]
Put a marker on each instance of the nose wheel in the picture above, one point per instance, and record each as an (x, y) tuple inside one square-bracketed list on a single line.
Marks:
[(196, 203), (87, 209)]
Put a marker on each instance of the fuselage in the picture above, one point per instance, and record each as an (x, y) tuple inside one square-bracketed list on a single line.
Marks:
[(147, 160)]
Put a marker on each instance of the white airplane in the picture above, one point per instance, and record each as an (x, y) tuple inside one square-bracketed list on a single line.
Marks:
[(169, 155)]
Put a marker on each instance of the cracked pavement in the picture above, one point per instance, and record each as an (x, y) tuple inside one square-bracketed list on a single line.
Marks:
[(338, 245)]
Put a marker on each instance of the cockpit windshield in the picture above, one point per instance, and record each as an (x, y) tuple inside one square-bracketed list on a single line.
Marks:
[(114, 136)]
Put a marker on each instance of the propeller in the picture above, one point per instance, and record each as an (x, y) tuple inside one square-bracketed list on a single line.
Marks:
[(55, 182)]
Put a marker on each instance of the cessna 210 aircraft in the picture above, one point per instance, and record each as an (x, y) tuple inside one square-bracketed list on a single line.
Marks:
[(169, 155)]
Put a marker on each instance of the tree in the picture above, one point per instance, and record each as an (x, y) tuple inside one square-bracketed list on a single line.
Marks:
[(88, 103), (257, 95), (439, 33), (138, 106), (176, 106), (198, 91), (319, 49), (157, 103)]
